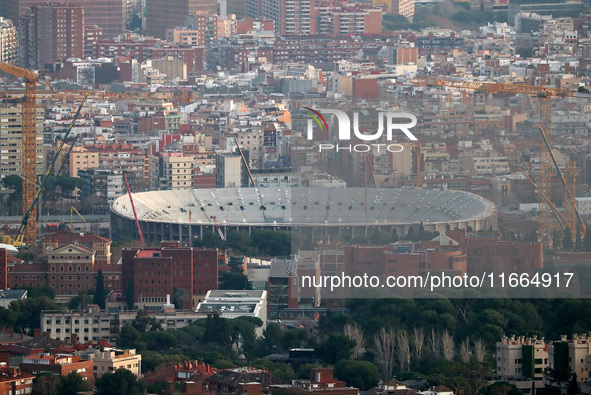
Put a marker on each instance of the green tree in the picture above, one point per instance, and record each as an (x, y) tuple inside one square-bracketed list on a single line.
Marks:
[(72, 383), (68, 184), (235, 278), (421, 234), (121, 382), (130, 337), (13, 182), (45, 384), (335, 348), (280, 370), (501, 388), (217, 330), (360, 374), (380, 237), (156, 388), (28, 312), (210, 240), (231, 280), (559, 375), (181, 298), (412, 235), (80, 301), (100, 295), (145, 322), (37, 292), (160, 341), (573, 386)]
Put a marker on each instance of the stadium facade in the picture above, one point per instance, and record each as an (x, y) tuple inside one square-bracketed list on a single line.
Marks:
[(323, 213)]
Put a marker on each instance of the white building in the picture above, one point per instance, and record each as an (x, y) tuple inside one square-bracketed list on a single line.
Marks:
[(110, 359), (522, 357), (234, 304)]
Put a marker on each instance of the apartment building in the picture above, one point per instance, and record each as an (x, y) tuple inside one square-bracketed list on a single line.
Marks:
[(184, 36), (168, 14), (109, 360), (80, 159), (435, 157), (9, 49), (91, 324), (397, 7), (109, 15), (157, 272), (11, 140), (489, 163), (71, 263), (59, 365), (174, 170), (145, 48), (571, 353), (230, 171), (522, 357), (102, 186), (234, 304), (291, 17), (488, 253), (15, 381), (51, 32), (347, 19)]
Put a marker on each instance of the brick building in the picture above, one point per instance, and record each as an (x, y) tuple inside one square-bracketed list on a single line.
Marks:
[(14, 381), (7, 338), (404, 259), (51, 32), (488, 253), (109, 15), (144, 48), (70, 264), (321, 382), (346, 19), (153, 273), (59, 364), (168, 14), (241, 380)]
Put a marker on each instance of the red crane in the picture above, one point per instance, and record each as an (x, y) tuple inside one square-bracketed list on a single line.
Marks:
[(137, 221), (217, 226)]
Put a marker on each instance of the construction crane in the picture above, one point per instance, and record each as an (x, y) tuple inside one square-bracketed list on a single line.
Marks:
[(571, 212), (245, 163), (72, 210), (545, 95), (182, 97), (28, 226), (137, 221), (28, 231), (218, 228), (28, 151)]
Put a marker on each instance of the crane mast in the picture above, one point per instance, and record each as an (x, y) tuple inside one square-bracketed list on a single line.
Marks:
[(543, 183), (30, 194)]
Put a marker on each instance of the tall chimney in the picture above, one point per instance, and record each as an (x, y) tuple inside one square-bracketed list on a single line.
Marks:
[(167, 299)]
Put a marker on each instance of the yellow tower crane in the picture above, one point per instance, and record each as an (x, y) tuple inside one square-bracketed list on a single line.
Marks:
[(544, 177), (27, 233)]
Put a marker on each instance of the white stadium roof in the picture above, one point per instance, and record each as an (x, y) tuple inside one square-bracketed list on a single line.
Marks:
[(304, 206)]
